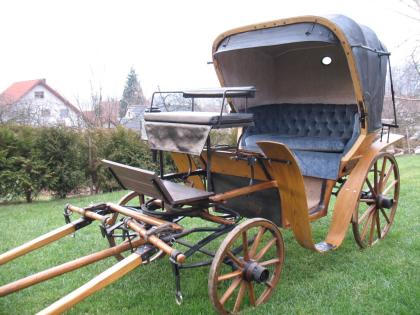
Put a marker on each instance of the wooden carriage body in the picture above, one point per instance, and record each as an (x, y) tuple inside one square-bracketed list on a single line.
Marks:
[(320, 84)]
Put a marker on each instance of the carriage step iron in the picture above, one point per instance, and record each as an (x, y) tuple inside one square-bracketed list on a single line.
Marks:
[(324, 247)]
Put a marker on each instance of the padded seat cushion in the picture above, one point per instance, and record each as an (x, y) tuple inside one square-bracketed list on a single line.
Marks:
[(200, 118), (335, 145)]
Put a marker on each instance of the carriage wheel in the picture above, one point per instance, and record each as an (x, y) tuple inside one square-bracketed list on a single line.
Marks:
[(378, 201), (247, 266), (113, 241)]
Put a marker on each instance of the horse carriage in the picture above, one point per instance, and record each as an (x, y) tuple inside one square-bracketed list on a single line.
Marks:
[(306, 96)]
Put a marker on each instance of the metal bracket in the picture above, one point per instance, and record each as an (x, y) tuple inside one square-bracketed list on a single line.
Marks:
[(167, 227), (67, 213), (178, 293)]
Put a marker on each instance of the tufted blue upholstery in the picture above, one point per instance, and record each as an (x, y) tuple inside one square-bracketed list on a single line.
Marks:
[(304, 120), (318, 134)]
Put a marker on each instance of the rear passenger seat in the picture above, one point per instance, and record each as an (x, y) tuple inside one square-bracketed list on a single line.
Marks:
[(318, 134)]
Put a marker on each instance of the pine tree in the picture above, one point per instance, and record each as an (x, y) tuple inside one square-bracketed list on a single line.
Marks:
[(133, 93)]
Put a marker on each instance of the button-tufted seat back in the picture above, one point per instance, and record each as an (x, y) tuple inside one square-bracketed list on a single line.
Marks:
[(318, 134), (304, 120)]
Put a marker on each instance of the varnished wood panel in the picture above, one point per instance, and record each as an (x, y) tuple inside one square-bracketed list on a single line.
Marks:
[(183, 165), (291, 189)]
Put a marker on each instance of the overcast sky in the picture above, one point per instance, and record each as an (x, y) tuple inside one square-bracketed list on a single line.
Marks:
[(75, 43)]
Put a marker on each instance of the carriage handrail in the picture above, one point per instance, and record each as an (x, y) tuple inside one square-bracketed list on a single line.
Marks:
[(224, 92)]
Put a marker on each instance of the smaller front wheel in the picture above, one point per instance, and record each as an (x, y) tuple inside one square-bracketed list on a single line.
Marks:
[(247, 266)]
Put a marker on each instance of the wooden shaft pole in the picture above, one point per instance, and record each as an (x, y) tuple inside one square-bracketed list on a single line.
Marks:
[(39, 242), (152, 239), (86, 213), (104, 279), (142, 217), (66, 267)]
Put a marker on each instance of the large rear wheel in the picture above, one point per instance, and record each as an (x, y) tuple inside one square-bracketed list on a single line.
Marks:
[(378, 200)]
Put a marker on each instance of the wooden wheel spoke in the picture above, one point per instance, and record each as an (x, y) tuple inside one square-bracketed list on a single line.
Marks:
[(394, 182), (270, 287), (385, 215), (240, 297), (265, 249), (379, 189), (378, 224), (257, 240), (230, 290), (234, 258), (381, 176), (229, 275), (270, 262), (367, 200), (245, 246), (387, 175), (372, 190), (366, 225), (372, 229), (366, 213), (251, 293), (375, 176)]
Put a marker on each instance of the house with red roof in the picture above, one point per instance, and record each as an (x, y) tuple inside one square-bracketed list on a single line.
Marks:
[(35, 102), (106, 114)]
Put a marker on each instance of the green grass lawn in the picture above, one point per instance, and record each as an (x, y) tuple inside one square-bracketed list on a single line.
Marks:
[(384, 279)]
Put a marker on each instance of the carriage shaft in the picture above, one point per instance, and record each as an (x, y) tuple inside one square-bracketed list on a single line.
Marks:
[(141, 217), (152, 239), (67, 267), (42, 240), (244, 191), (156, 241), (104, 279)]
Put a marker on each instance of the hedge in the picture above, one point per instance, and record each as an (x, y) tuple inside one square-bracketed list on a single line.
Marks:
[(62, 160)]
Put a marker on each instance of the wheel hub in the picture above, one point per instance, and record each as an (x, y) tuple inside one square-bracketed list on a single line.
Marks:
[(255, 272), (384, 202)]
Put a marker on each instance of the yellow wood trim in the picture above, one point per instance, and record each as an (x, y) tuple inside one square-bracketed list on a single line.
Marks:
[(362, 143), (329, 186), (291, 189), (348, 197), (181, 162), (222, 163)]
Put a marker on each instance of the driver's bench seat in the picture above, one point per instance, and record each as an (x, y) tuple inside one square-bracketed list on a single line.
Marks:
[(149, 184)]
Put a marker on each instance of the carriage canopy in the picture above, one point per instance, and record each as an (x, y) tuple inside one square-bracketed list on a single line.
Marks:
[(306, 60)]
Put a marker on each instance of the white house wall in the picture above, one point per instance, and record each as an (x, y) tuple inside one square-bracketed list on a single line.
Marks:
[(51, 103)]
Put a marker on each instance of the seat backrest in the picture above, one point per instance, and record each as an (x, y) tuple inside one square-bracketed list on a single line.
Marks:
[(304, 120), (138, 180), (149, 184)]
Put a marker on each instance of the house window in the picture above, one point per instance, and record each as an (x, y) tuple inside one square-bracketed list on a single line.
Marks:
[(45, 112), (64, 113), (39, 94)]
